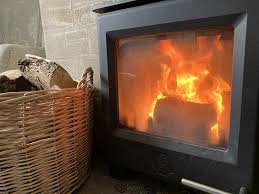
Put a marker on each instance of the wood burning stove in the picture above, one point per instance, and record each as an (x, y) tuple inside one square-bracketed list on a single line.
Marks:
[(180, 90)]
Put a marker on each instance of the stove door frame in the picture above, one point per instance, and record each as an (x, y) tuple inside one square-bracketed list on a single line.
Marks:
[(230, 169), (238, 21)]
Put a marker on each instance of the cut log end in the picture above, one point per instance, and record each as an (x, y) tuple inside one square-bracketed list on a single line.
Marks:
[(184, 119), (45, 74)]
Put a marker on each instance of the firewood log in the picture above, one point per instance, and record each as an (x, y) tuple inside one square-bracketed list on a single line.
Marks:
[(45, 74), (13, 81), (179, 118)]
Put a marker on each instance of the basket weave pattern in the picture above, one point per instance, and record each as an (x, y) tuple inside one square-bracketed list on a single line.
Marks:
[(45, 139)]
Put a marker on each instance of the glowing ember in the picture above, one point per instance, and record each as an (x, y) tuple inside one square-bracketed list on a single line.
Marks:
[(215, 132), (186, 87), (160, 96)]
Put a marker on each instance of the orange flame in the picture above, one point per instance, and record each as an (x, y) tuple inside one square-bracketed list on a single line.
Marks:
[(189, 78)]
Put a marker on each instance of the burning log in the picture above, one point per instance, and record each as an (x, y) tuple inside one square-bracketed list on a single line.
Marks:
[(184, 119), (45, 74)]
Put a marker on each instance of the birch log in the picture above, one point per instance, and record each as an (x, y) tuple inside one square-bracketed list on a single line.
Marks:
[(13, 81), (45, 74)]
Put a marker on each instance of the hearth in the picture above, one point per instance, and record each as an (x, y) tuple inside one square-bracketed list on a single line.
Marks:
[(180, 90)]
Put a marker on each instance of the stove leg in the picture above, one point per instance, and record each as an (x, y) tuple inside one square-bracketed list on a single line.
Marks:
[(243, 190)]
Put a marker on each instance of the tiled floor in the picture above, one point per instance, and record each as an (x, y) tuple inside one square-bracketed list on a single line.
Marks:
[(101, 182)]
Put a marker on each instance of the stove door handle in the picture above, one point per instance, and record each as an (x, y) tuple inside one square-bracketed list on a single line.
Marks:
[(202, 187)]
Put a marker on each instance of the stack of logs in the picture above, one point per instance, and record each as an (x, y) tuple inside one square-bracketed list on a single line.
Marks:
[(35, 73)]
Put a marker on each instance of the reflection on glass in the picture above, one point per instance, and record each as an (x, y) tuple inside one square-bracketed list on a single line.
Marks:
[(177, 85)]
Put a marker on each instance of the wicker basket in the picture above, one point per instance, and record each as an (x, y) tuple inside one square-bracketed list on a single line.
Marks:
[(45, 139)]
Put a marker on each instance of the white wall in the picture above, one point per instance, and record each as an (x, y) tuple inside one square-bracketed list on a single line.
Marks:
[(20, 23), (70, 35)]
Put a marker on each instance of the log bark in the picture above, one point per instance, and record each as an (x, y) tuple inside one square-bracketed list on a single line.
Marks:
[(13, 81), (45, 74), (184, 119)]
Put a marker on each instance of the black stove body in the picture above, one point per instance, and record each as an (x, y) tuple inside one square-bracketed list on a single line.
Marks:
[(232, 169)]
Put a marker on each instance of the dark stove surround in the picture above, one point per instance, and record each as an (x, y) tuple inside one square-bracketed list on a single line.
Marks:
[(229, 170)]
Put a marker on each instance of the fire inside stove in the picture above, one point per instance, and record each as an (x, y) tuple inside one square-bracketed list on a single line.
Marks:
[(177, 85)]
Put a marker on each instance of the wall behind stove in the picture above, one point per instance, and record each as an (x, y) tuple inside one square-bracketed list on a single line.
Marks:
[(20, 23), (70, 34)]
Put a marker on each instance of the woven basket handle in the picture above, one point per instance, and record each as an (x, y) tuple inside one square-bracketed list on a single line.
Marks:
[(86, 79)]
